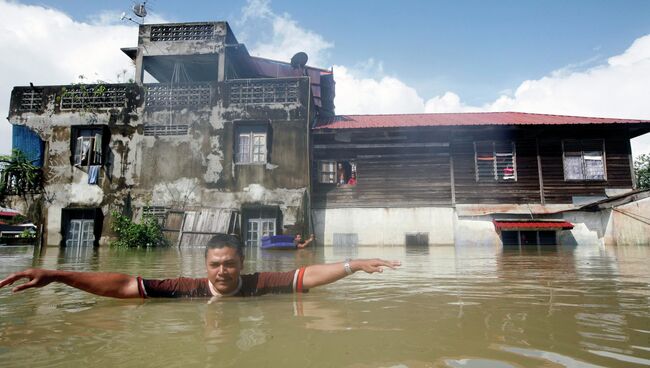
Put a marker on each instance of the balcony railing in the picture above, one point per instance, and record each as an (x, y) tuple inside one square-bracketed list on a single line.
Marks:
[(264, 91), (73, 97), (93, 97), (178, 95)]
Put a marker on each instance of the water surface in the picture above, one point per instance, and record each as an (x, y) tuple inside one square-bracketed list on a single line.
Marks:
[(585, 306)]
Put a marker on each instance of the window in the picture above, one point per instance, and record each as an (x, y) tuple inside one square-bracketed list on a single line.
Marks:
[(80, 233), (337, 172), (327, 172), (251, 147), (258, 228), (495, 161), (584, 159), (88, 147)]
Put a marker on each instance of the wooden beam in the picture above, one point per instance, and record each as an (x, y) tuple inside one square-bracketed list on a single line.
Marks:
[(451, 179), (539, 174)]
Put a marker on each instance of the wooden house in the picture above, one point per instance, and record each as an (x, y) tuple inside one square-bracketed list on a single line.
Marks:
[(464, 177)]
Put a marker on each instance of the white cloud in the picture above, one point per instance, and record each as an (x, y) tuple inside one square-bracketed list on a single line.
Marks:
[(45, 46), (279, 37), (386, 95)]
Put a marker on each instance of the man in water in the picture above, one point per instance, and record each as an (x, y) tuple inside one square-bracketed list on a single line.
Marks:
[(301, 243), (224, 261)]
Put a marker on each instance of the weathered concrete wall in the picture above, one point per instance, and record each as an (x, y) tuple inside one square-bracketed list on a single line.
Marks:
[(631, 223), (476, 231), (384, 226), (589, 228)]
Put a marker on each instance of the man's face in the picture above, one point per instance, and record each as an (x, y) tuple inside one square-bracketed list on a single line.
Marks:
[(298, 237), (224, 266)]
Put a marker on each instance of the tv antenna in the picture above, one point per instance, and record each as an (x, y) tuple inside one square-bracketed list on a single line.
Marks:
[(139, 10)]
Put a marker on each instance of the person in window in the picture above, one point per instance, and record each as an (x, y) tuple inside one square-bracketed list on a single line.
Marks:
[(224, 261), (508, 173), (303, 243), (353, 179), (340, 174)]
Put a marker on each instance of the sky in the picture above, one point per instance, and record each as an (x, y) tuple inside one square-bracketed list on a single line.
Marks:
[(579, 57)]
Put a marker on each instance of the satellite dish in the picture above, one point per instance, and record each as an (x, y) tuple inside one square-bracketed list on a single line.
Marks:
[(299, 60), (140, 10)]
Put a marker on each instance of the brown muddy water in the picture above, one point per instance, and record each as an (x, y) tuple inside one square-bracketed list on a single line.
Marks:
[(585, 306)]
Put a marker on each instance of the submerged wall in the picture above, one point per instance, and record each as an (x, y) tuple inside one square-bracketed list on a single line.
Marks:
[(383, 226)]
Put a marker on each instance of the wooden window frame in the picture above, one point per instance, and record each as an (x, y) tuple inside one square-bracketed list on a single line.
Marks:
[(582, 160), (331, 174), (495, 164)]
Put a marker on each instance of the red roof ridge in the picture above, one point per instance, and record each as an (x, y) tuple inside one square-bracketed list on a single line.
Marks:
[(489, 113)]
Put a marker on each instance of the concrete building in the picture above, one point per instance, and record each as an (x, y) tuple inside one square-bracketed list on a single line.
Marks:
[(208, 139)]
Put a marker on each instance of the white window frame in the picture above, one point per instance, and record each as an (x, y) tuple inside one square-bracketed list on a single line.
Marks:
[(584, 157), (251, 148), (498, 171), (80, 233), (93, 154), (258, 228)]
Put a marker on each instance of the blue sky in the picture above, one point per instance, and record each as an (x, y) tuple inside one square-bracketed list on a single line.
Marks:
[(564, 57)]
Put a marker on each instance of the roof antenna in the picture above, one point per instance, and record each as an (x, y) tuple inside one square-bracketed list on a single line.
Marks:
[(139, 10)]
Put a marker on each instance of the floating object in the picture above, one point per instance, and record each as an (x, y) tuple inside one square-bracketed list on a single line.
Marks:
[(277, 242)]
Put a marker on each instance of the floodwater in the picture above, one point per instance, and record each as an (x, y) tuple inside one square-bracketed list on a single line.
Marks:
[(585, 306)]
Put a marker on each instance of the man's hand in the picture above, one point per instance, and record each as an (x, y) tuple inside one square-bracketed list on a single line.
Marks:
[(372, 265), (37, 278)]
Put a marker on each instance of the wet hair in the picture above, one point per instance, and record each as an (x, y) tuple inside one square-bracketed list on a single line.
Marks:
[(225, 241)]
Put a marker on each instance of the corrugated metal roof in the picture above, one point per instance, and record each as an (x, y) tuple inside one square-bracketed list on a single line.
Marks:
[(462, 119)]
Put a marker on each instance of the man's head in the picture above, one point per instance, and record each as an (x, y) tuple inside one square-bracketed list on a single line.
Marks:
[(224, 260), (298, 237)]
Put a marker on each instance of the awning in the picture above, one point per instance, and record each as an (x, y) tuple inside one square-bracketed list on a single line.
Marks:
[(9, 214), (501, 225)]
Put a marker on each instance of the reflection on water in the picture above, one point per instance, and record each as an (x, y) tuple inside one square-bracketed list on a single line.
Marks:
[(445, 307)]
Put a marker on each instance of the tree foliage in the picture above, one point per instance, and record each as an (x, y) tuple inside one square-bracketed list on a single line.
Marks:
[(642, 171), (18, 174), (148, 233)]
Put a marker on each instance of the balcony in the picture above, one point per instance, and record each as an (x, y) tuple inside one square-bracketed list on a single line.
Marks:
[(176, 96), (78, 97), (264, 91)]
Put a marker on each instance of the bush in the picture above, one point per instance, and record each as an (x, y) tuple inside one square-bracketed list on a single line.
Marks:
[(147, 233), (642, 171)]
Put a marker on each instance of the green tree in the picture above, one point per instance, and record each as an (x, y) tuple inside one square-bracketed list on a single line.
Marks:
[(642, 171), (18, 174), (130, 234)]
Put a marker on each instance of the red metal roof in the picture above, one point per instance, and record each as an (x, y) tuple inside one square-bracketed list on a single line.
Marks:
[(465, 118), (9, 214), (531, 225)]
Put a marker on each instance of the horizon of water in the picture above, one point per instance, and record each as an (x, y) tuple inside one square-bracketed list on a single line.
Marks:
[(446, 306)]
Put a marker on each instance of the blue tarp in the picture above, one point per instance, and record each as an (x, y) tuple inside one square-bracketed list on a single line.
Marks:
[(29, 143)]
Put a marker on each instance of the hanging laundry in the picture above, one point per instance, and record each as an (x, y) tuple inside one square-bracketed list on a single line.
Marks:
[(93, 174)]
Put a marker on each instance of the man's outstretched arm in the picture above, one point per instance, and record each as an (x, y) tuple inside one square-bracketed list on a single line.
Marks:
[(114, 285), (317, 275)]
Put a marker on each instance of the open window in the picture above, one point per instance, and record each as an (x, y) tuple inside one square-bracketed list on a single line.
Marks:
[(88, 146), (337, 172), (495, 161), (251, 145), (584, 159)]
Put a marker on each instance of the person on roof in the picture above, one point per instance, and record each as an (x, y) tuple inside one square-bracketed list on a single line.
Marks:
[(224, 261)]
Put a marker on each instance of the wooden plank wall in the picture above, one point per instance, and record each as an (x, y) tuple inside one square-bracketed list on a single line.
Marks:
[(400, 176), (468, 191), (557, 190), (412, 177)]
